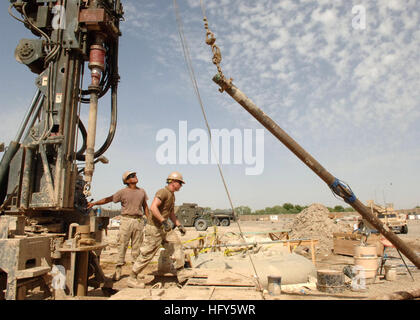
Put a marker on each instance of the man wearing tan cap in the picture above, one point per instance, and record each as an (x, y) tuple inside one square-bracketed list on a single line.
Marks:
[(133, 199), (158, 231)]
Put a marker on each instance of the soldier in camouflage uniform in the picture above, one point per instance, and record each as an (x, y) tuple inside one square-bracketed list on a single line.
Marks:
[(158, 230)]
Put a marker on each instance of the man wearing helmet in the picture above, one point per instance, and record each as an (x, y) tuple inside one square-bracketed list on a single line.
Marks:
[(158, 230), (133, 199)]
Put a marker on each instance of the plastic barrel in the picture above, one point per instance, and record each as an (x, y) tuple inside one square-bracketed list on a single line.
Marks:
[(365, 251), (366, 262)]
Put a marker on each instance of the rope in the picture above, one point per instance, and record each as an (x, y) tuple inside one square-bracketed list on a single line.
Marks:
[(197, 92)]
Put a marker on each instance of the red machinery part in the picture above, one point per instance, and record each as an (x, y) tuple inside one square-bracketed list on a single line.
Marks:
[(97, 57)]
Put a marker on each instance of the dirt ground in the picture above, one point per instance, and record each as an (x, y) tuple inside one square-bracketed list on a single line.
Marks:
[(166, 287)]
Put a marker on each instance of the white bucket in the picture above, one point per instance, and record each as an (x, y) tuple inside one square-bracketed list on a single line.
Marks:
[(391, 273)]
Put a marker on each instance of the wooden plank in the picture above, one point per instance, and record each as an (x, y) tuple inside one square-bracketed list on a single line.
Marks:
[(225, 278), (32, 272), (346, 246), (83, 248), (279, 236), (311, 243)]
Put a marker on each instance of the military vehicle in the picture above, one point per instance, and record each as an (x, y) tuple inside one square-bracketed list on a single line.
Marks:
[(190, 214), (388, 216), (222, 217)]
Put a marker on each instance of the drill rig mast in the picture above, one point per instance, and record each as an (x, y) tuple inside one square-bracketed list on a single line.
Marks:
[(44, 219)]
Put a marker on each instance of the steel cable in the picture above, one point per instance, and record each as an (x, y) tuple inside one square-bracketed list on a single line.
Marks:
[(197, 92)]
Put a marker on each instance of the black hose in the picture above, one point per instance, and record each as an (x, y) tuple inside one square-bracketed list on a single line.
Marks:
[(113, 83), (79, 154)]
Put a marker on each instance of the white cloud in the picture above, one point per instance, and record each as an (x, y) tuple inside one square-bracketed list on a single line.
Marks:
[(300, 61)]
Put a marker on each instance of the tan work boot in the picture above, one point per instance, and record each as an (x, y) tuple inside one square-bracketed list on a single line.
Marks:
[(145, 278), (184, 274), (133, 283), (117, 274)]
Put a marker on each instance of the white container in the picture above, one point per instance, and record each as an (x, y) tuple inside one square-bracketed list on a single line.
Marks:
[(391, 273)]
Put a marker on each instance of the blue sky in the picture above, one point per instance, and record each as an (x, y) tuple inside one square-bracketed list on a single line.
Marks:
[(349, 96)]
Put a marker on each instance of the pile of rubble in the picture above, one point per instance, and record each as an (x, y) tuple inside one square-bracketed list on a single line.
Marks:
[(314, 223)]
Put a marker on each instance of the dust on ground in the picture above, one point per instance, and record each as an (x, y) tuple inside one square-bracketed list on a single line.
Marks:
[(314, 223)]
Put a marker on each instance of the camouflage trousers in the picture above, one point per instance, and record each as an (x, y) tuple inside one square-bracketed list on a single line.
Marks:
[(154, 237), (130, 229)]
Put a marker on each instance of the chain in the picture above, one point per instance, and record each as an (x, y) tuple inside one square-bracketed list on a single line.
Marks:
[(86, 189), (227, 84), (217, 55)]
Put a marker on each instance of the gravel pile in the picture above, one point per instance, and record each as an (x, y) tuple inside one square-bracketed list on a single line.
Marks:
[(314, 223)]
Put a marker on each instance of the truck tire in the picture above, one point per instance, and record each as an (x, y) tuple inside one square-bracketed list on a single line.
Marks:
[(225, 222), (404, 229), (216, 221), (200, 224)]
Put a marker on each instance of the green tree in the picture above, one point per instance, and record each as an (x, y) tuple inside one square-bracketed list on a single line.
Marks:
[(288, 206), (243, 210), (338, 209), (298, 208), (277, 209)]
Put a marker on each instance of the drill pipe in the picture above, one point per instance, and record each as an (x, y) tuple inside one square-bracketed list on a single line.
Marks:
[(245, 244), (90, 151), (315, 166)]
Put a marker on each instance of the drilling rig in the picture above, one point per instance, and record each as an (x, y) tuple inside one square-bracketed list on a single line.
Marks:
[(45, 177)]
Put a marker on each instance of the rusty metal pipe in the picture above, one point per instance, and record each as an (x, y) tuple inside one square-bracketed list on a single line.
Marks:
[(400, 295), (82, 265), (90, 141), (315, 166), (96, 66)]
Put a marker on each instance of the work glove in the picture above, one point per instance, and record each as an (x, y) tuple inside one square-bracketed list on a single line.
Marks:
[(166, 225), (182, 229)]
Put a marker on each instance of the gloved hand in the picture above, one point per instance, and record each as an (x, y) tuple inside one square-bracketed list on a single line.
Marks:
[(166, 225), (182, 229)]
